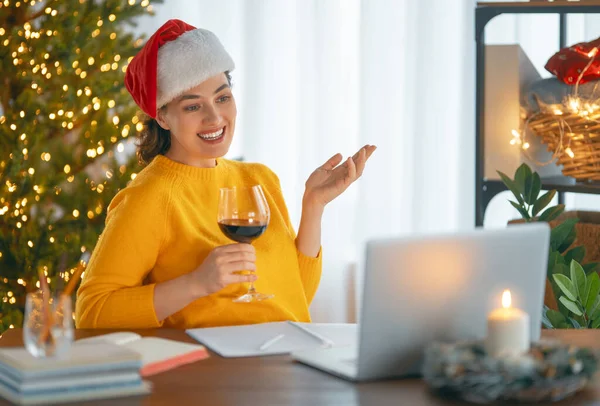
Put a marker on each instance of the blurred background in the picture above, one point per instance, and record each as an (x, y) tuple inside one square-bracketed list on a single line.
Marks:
[(312, 78)]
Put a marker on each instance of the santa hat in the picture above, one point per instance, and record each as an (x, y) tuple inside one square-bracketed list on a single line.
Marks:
[(176, 58)]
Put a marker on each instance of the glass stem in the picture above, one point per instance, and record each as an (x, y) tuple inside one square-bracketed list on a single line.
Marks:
[(251, 289)]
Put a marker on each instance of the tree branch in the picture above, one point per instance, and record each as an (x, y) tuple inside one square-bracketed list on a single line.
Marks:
[(36, 15)]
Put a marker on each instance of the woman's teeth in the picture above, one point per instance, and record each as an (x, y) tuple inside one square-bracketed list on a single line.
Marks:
[(211, 136)]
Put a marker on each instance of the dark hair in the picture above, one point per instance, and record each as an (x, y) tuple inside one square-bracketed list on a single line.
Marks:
[(154, 140)]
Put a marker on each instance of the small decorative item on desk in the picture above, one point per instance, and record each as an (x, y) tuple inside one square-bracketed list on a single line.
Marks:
[(507, 329), (506, 366), (48, 324)]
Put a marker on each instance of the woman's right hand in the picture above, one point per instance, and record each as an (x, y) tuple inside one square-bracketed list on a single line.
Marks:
[(220, 268)]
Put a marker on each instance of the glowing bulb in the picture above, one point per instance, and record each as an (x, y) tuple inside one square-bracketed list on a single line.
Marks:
[(75, 213), (526, 145), (569, 152), (558, 112)]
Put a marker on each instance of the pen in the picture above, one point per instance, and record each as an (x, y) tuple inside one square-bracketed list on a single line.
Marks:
[(326, 341), (270, 342)]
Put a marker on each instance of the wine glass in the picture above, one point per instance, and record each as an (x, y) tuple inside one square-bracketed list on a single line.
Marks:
[(243, 217)]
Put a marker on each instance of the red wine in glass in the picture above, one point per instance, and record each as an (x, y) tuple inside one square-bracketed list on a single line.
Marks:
[(243, 217), (242, 230)]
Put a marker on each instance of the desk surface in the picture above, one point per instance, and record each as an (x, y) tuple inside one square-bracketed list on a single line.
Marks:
[(278, 380)]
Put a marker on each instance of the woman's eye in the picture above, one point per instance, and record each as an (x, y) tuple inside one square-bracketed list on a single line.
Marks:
[(193, 107), (224, 99)]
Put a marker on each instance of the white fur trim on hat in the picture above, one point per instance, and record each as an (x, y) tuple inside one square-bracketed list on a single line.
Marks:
[(188, 61)]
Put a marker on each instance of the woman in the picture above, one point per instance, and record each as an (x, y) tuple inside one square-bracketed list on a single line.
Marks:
[(162, 259)]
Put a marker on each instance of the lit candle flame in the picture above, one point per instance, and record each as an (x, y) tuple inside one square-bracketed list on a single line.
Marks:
[(506, 300)]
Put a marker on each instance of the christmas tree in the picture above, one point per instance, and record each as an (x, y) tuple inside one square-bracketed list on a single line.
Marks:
[(66, 121)]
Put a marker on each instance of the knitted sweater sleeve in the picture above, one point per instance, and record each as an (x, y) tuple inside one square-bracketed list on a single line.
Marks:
[(112, 293)]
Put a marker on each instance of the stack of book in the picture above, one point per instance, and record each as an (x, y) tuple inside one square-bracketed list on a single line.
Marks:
[(92, 371)]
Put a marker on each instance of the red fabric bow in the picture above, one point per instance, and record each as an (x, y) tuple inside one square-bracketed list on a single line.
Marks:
[(568, 63)]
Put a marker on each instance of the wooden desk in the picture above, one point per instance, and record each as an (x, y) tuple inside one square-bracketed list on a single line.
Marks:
[(277, 380)]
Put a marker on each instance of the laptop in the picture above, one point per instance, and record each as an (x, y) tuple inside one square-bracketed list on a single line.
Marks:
[(439, 287)]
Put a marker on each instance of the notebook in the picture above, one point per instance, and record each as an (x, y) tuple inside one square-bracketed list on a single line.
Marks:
[(107, 371), (247, 340), (157, 354), (17, 363), (91, 392)]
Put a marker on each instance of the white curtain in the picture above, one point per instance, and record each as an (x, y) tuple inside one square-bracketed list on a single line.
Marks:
[(316, 77)]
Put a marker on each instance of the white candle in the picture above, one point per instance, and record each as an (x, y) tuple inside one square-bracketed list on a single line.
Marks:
[(507, 330)]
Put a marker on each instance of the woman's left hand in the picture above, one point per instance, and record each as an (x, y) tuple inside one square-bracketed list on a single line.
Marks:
[(331, 179)]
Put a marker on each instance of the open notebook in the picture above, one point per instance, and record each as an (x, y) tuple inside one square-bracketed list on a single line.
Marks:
[(158, 354), (250, 340)]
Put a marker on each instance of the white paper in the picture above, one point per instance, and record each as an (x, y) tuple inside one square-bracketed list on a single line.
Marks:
[(245, 341)]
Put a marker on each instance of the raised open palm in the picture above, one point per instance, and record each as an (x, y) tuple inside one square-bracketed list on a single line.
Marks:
[(331, 179)]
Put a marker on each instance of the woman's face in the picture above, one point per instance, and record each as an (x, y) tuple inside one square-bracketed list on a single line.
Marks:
[(201, 122)]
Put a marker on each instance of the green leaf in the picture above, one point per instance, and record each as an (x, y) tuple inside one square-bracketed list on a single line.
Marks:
[(568, 242), (561, 269), (543, 202), (592, 308), (522, 173), (510, 184), (556, 318), (596, 323), (552, 212), (572, 306), (575, 254), (527, 190), (593, 289), (596, 314), (579, 280), (560, 233), (533, 186), (554, 258), (574, 322), (590, 267), (566, 286), (545, 320), (521, 210)]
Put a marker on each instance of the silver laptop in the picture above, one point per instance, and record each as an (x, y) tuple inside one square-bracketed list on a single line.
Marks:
[(421, 289)]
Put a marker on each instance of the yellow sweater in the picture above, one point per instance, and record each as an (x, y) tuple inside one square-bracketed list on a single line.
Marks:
[(163, 225)]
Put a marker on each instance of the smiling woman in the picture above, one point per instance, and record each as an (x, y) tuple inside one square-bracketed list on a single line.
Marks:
[(162, 258), (155, 139)]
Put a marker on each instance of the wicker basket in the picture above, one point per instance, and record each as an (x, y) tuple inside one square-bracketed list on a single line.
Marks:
[(579, 150)]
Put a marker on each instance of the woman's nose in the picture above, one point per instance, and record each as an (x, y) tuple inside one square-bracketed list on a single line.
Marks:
[(212, 116)]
